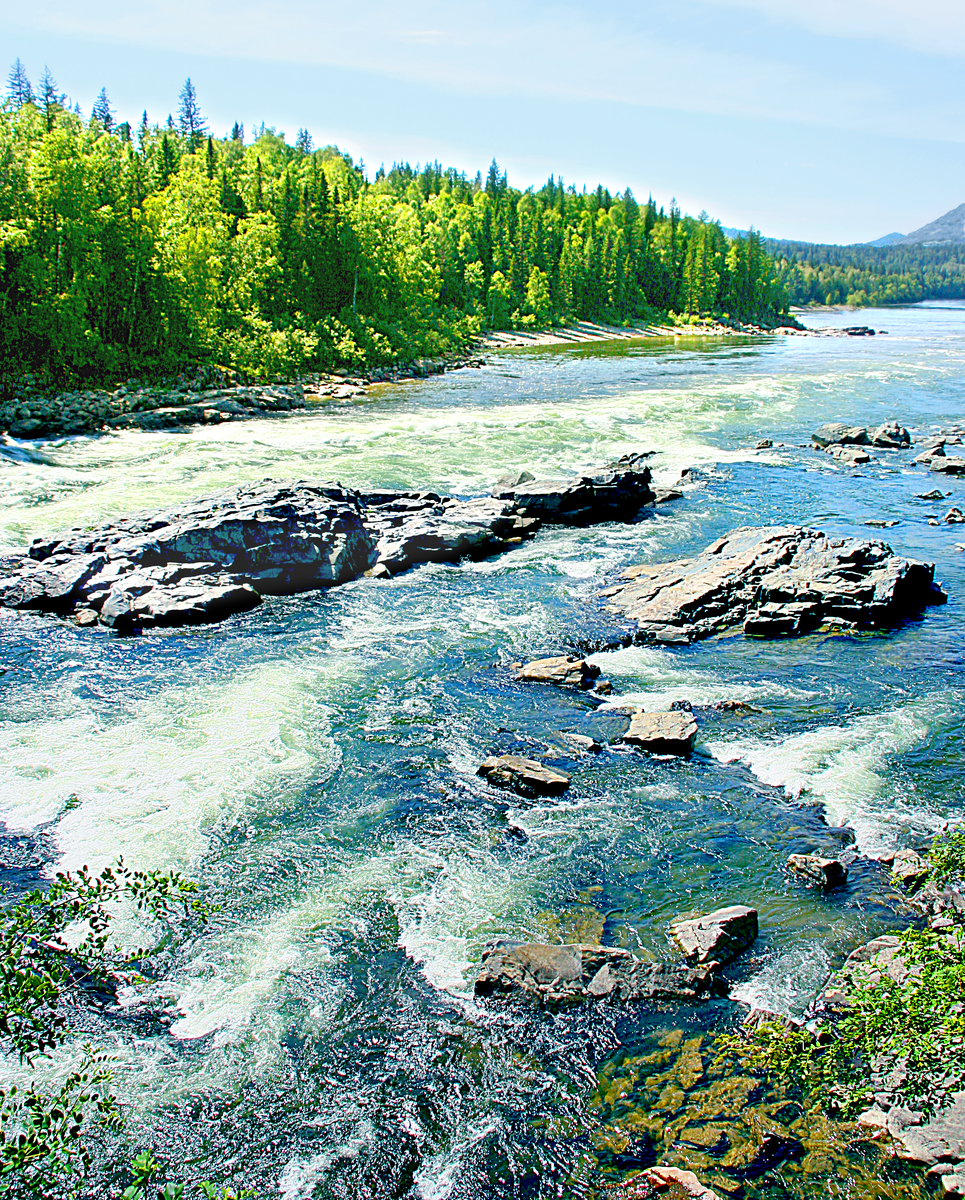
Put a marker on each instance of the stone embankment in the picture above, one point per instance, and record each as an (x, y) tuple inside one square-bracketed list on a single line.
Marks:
[(206, 398), (207, 559)]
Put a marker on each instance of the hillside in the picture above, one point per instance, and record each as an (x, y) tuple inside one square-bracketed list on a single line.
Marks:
[(948, 229)]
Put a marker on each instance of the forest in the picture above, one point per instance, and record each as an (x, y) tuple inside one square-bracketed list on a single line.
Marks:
[(137, 250), (868, 275)]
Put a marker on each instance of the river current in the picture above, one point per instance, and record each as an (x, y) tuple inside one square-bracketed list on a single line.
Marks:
[(312, 763)]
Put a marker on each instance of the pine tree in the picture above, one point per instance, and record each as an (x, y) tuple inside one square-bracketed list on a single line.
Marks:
[(18, 85), (142, 130), (211, 160), (304, 143), (50, 99), (102, 112), (190, 121), (237, 132)]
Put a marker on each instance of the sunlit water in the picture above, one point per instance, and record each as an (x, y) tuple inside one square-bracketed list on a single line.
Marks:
[(312, 763)]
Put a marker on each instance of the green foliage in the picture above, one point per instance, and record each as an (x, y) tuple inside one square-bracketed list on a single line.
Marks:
[(45, 1136), (907, 1023), (126, 256), (946, 857), (146, 1185), (868, 275)]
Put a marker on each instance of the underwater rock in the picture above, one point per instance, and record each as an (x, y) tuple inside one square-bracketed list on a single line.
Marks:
[(779, 580), (717, 937), (663, 1178), (570, 973), (826, 872), (565, 670), (662, 732), (614, 492), (523, 775)]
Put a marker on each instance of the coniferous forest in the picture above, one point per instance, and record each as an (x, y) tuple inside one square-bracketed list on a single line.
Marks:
[(133, 250)]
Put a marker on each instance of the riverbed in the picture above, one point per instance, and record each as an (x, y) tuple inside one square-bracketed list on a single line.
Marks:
[(312, 764)]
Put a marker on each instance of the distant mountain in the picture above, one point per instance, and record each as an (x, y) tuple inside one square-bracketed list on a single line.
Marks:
[(890, 239), (949, 228)]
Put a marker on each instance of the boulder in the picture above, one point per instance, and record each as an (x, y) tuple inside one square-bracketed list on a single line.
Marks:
[(581, 742), (523, 775), (614, 492), (909, 869), (836, 434), (825, 872), (565, 670), (718, 937), (947, 466), (778, 580), (870, 963), (891, 436), (559, 974), (662, 732), (849, 455)]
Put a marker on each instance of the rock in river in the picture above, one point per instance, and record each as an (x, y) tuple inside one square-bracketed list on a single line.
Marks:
[(777, 580), (555, 974), (825, 872), (565, 670), (662, 732), (616, 492), (834, 433), (717, 937), (523, 775)]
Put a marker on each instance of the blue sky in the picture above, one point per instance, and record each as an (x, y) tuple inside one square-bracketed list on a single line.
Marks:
[(838, 120)]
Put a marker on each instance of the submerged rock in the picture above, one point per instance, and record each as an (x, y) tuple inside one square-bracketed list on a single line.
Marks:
[(718, 937), (523, 775), (662, 732), (558, 974), (565, 670), (615, 492), (825, 872), (779, 580)]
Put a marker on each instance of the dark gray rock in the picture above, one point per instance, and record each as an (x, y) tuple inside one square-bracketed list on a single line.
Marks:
[(827, 873), (523, 776), (836, 434), (779, 580), (717, 937), (615, 492), (561, 974), (946, 466), (891, 436)]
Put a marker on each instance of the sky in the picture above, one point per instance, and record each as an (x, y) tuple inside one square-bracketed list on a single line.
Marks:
[(833, 121)]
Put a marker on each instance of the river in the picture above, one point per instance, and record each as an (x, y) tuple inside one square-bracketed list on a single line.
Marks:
[(312, 765)]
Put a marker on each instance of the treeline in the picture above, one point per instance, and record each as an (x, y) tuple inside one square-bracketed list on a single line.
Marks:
[(868, 275), (132, 250)]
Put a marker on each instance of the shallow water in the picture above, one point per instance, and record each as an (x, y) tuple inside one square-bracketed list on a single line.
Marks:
[(312, 763)]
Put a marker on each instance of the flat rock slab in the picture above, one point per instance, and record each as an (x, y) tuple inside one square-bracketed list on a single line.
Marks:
[(564, 670), (778, 581), (561, 974), (523, 775), (717, 937), (614, 492), (662, 732), (686, 1182), (827, 873), (947, 466)]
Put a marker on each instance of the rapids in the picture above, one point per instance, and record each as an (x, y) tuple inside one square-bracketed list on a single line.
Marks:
[(312, 763)]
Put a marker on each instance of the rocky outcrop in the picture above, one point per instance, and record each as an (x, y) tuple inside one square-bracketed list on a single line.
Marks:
[(662, 732), (561, 974), (718, 937), (827, 873), (616, 492), (890, 436), (523, 776), (564, 670), (779, 580)]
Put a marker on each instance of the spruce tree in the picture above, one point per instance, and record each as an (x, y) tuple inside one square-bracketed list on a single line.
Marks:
[(101, 112), (18, 85), (50, 99), (304, 143), (190, 121)]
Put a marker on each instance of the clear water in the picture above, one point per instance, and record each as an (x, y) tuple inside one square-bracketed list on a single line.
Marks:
[(313, 763)]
